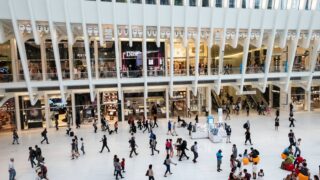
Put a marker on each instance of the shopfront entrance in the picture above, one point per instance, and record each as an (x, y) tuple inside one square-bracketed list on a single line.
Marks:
[(178, 103), (110, 106), (86, 111), (7, 116), (157, 100), (60, 110), (133, 105), (32, 116)]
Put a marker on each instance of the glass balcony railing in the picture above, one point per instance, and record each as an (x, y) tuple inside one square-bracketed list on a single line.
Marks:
[(156, 73), (214, 71), (6, 78), (181, 72), (299, 68), (254, 70), (132, 74), (108, 74), (233, 70), (275, 69), (317, 67)]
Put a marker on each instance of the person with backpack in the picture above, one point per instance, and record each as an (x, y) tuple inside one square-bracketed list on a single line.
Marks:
[(150, 173), (15, 137), (183, 148), (95, 127), (219, 160), (74, 153), (248, 137), (146, 126), (133, 146), (152, 136), (32, 156), (117, 167), (104, 143), (228, 132), (169, 127), (247, 176), (153, 145), (291, 138), (190, 128), (44, 135), (194, 150), (234, 151), (291, 119), (167, 163)]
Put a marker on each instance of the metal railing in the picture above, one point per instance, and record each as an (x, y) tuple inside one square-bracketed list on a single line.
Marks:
[(131, 74)]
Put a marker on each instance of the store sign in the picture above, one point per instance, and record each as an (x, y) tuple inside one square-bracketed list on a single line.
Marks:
[(108, 34), (130, 54)]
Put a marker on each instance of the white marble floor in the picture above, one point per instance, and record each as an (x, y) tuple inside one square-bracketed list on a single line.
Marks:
[(98, 166)]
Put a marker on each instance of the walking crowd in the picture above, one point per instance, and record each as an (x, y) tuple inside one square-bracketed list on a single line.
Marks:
[(178, 148)]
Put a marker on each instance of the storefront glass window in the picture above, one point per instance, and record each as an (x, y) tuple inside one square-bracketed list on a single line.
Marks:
[(178, 104), (5, 63), (133, 105), (59, 110), (155, 59), (107, 61), (110, 106), (131, 60), (156, 104), (86, 111), (7, 116), (32, 116)]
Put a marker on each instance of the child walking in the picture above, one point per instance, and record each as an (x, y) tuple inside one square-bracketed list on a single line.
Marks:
[(82, 146), (123, 163)]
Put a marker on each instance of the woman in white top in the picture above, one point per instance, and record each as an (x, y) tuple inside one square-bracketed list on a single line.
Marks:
[(298, 151)]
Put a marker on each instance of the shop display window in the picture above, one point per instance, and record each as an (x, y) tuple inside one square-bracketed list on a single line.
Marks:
[(32, 116), (156, 101), (110, 105), (7, 116), (5, 63), (133, 105), (86, 111), (131, 58), (178, 104)]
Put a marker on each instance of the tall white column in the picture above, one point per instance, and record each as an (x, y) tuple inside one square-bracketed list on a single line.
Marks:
[(73, 108), (47, 111), (188, 97), (167, 104), (270, 95), (209, 61), (188, 60), (98, 106), (43, 58), (308, 101), (14, 59), (122, 105), (209, 100), (71, 67), (96, 60), (17, 112)]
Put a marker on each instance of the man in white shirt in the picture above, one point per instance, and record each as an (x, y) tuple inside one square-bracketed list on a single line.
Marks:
[(12, 171)]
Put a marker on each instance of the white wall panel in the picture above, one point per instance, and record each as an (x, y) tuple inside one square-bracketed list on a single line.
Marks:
[(106, 13), (74, 11), (91, 12), (4, 9), (122, 14), (21, 8), (165, 16), (40, 13), (137, 14), (151, 11), (231, 19), (57, 10), (178, 16)]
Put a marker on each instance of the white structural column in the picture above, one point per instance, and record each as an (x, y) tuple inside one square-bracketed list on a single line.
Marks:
[(117, 53), (98, 105), (210, 44), (283, 37), (43, 58), (246, 47), (73, 108), (47, 111), (307, 101), (144, 58), (33, 23), (158, 24), (245, 58), (96, 60), (185, 29), (209, 60), (22, 53), (129, 22), (236, 37), (270, 44), (188, 60), (195, 82), (167, 104), (17, 112), (100, 29), (14, 59), (87, 51), (291, 56), (68, 25), (209, 99), (71, 67), (54, 40), (263, 8), (171, 48), (313, 61), (312, 22), (188, 97), (122, 104), (221, 56)]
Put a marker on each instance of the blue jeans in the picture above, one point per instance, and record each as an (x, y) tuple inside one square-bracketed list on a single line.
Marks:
[(12, 174)]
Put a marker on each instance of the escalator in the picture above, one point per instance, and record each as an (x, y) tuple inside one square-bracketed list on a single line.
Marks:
[(216, 102), (253, 100)]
